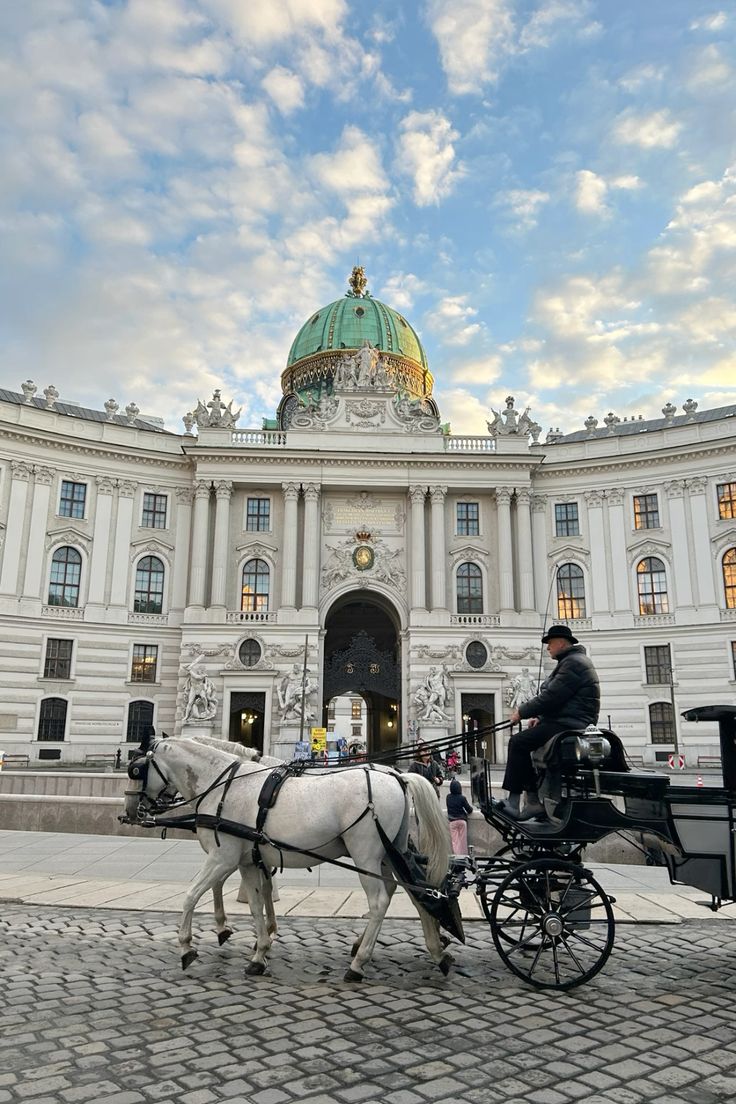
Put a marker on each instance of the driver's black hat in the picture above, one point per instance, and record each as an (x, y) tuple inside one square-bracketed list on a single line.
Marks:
[(561, 631)]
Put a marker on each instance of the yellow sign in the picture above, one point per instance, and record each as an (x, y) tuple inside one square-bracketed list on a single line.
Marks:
[(319, 739)]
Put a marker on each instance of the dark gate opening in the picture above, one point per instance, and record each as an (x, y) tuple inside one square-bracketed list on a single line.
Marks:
[(362, 657), (247, 714), (479, 711)]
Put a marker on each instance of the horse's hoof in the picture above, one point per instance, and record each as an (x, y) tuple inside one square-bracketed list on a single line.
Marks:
[(445, 964), (187, 959), (224, 935), (352, 975), (255, 969), (355, 948)]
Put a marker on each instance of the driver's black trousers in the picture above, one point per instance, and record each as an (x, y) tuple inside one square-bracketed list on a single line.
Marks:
[(520, 774)]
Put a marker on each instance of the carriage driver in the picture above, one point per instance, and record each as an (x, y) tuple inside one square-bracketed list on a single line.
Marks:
[(569, 698)]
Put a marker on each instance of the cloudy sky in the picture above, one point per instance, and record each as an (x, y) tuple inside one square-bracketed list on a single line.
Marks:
[(546, 188)]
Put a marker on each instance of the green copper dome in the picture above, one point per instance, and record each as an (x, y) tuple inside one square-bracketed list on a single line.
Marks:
[(341, 329), (348, 322)]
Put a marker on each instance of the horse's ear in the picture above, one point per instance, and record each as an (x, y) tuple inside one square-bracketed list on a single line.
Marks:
[(164, 735), (149, 735)]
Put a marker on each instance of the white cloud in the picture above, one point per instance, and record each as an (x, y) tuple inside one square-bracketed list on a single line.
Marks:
[(553, 18), (714, 22), (480, 370), (590, 193), (709, 71), (401, 289), (427, 155), (451, 319), (285, 89), (463, 410), (355, 166), (642, 76), (656, 130), (473, 37), (523, 206)]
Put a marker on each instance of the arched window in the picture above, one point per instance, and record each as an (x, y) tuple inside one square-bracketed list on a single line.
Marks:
[(662, 723), (149, 585), (651, 581), (52, 719), (570, 592), (256, 583), (469, 588), (140, 718), (66, 571), (729, 578)]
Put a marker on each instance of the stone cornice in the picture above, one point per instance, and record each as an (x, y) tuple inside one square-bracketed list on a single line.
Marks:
[(554, 469), (78, 445)]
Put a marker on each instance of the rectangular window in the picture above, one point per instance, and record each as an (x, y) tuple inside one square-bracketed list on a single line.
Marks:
[(73, 499), (733, 657), (567, 523), (258, 515), (646, 512), (468, 519), (662, 723), (356, 710), (154, 511), (143, 667), (726, 500), (658, 664), (58, 661)]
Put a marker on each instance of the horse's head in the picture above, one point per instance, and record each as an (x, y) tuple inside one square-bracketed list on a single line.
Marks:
[(153, 791)]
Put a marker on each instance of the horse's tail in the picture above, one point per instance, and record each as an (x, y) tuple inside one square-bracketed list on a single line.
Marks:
[(434, 830)]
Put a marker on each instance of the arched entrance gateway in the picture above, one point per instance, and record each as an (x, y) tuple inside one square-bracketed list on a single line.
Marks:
[(362, 656)]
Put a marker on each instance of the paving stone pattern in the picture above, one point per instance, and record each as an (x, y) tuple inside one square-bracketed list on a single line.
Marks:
[(95, 1008)]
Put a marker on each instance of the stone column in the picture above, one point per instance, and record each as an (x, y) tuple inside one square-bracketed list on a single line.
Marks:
[(100, 540), (21, 473), (704, 563), (310, 574), (37, 534), (121, 556), (505, 550), (675, 491), (288, 549), (619, 563), (221, 550), (181, 552), (200, 536), (539, 548), (524, 533), (594, 500), (418, 588), (437, 549)]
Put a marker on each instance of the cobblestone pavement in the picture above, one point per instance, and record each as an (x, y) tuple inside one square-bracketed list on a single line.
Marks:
[(95, 1008)]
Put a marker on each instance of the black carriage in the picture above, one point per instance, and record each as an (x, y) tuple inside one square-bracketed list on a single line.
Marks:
[(551, 922)]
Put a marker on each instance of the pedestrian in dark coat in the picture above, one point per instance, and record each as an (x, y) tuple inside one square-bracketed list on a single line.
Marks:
[(458, 811)]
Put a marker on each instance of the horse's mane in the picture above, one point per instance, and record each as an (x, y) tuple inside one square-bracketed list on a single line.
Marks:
[(240, 751)]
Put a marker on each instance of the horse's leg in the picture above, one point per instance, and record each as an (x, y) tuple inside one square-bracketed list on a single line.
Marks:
[(379, 898), (390, 885), (270, 895), (258, 890), (217, 867), (222, 926), (433, 939)]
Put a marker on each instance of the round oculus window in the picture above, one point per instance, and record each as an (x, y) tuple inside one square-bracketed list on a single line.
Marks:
[(476, 654), (249, 653), (359, 311)]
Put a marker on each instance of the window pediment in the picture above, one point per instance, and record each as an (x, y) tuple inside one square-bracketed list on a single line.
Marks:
[(68, 535)]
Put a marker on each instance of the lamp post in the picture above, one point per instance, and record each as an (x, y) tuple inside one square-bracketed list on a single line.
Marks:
[(671, 683)]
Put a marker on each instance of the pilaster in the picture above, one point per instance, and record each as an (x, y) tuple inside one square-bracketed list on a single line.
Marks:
[(200, 533), (42, 479), (289, 546), (418, 588), (20, 476), (526, 565), (220, 552), (100, 541), (310, 574), (437, 549), (121, 555), (505, 550)]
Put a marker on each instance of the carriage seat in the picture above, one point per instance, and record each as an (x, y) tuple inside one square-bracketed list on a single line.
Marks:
[(559, 760)]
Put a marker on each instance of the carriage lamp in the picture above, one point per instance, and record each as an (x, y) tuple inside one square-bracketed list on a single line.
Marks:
[(591, 749)]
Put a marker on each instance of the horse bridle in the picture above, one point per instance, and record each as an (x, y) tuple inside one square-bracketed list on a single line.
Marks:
[(138, 769)]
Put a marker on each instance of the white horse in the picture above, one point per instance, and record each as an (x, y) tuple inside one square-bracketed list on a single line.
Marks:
[(330, 814)]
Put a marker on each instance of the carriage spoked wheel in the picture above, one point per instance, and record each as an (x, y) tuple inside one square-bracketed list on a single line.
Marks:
[(552, 924)]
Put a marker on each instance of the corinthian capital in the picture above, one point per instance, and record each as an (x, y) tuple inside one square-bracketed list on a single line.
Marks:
[(223, 488), (105, 485), (523, 497), (21, 470), (312, 492), (675, 488), (503, 496), (593, 498), (290, 491), (202, 488), (438, 494), (43, 475), (417, 495)]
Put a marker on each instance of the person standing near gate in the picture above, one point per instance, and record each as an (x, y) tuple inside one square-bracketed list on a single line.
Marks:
[(569, 698), (458, 811)]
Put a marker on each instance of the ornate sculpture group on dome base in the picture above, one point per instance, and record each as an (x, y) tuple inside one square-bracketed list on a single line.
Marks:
[(511, 422)]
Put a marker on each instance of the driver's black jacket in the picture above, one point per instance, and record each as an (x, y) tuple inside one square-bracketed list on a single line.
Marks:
[(571, 696)]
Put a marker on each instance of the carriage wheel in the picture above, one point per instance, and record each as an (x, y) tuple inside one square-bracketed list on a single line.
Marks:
[(487, 889), (552, 924)]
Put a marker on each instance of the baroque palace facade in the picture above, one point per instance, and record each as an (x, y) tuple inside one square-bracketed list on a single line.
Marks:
[(149, 577)]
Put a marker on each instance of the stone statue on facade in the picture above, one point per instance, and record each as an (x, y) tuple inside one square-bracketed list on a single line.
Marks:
[(201, 703), (215, 414), (361, 371), (290, 692), (510, 421), (521, 688), (416, 414), (432, 696)]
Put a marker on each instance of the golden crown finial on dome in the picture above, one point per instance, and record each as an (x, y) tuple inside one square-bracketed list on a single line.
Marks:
[(358, 282)]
